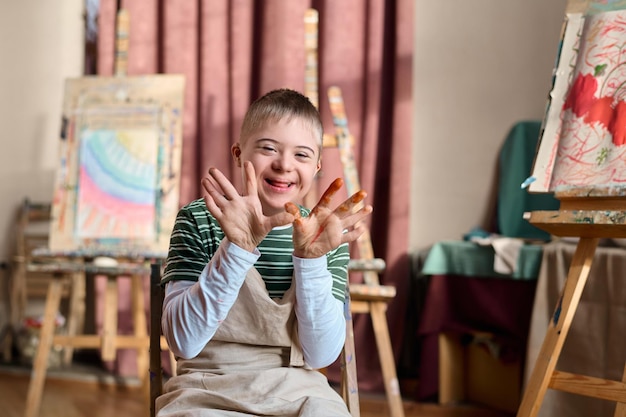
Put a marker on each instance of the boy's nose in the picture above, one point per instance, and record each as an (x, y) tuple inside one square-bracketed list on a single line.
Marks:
[(283, 163)]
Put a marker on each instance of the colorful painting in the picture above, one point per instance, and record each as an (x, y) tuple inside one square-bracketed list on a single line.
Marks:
[(117, 184), (583, 143)]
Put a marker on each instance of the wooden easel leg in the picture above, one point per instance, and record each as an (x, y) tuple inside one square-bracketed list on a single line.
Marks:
[(558, 328), (17, 307), (6, 342), (141, 331), (76, 319), (40, 365), (620, 407), (385, 354), (109, 328)]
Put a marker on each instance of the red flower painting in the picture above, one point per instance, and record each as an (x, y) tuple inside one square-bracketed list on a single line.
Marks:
[(582, 94), (583, 142), (582, 101)]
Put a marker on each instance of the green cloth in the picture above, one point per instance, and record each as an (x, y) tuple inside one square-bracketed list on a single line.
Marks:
[(471, 259), (515, 165)]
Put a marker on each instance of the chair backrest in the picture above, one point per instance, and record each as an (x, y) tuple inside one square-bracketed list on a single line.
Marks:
[(348, 385)]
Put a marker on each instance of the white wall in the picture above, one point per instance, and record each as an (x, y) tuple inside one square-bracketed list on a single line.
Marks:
[(42, 44), (480, 66)]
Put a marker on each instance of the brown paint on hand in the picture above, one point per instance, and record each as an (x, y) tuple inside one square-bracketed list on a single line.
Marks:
[(358, 196), (319, 233), (330, 191)]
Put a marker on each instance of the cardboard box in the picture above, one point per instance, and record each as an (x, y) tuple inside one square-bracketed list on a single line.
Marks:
[(471, 371)]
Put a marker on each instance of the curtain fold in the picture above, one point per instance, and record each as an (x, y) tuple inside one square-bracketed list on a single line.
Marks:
[(232, 52)]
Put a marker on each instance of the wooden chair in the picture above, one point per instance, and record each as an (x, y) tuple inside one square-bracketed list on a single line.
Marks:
[(158, 344), (348, 387)]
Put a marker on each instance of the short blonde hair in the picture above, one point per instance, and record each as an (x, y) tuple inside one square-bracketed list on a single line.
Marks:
[(281, 104)]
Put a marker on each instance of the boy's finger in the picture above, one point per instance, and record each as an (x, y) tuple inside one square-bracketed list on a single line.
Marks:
[(293, 210), (213, 207), (357, 197), (220, 179), (349, 205), (328, 194), (209, 184), (250, 179), (213, 190)]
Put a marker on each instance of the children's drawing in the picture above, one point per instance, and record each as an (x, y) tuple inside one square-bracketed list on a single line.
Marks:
[(117, 184), (583, 143)]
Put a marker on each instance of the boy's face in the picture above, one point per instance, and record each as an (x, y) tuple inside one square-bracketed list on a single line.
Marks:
[(285, 156)]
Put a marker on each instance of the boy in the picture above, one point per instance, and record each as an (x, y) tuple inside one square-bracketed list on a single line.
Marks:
[(255, 284)]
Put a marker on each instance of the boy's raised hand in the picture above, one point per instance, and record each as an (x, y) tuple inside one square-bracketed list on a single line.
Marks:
[(240, 216), (323, 230)]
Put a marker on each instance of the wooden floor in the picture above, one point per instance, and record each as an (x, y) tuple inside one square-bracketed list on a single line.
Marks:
[(100, 396)]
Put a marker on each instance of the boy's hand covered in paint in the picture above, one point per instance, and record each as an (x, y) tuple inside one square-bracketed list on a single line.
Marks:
[(325, 229)]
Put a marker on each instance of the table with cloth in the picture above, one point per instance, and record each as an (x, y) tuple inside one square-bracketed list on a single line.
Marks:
[(456, 287), (465, 295)]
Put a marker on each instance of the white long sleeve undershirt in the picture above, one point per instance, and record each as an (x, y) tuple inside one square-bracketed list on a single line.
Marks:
[(192, 311)]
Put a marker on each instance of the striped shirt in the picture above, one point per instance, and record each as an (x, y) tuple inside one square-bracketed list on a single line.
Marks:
[(197, 235)]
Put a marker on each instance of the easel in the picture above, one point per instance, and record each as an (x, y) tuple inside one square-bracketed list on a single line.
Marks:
[(589, 214), (127, 262), (370, 297)]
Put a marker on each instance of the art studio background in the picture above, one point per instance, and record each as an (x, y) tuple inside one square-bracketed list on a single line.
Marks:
[(477, 69)]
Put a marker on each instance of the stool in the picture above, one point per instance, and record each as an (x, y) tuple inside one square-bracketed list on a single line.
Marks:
[(109, 341)]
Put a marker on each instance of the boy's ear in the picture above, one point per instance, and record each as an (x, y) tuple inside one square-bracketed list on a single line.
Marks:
[(236, 153)]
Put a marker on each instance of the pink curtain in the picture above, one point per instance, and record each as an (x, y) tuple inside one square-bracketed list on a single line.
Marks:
[(232, 51)]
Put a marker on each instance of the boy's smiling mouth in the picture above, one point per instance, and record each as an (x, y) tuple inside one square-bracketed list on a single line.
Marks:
[(280, 185)]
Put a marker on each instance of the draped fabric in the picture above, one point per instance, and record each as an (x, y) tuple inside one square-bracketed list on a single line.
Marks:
[(233, 51)]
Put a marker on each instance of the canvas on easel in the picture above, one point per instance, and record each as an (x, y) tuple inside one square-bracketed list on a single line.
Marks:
[(583, 140), (117, 183), (581, 157)]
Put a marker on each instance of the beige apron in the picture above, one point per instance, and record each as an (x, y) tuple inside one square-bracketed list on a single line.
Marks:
[(252, 366)]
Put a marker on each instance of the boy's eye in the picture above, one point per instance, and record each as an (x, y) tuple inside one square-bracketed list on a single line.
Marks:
[(268, 148), (302, 155)]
